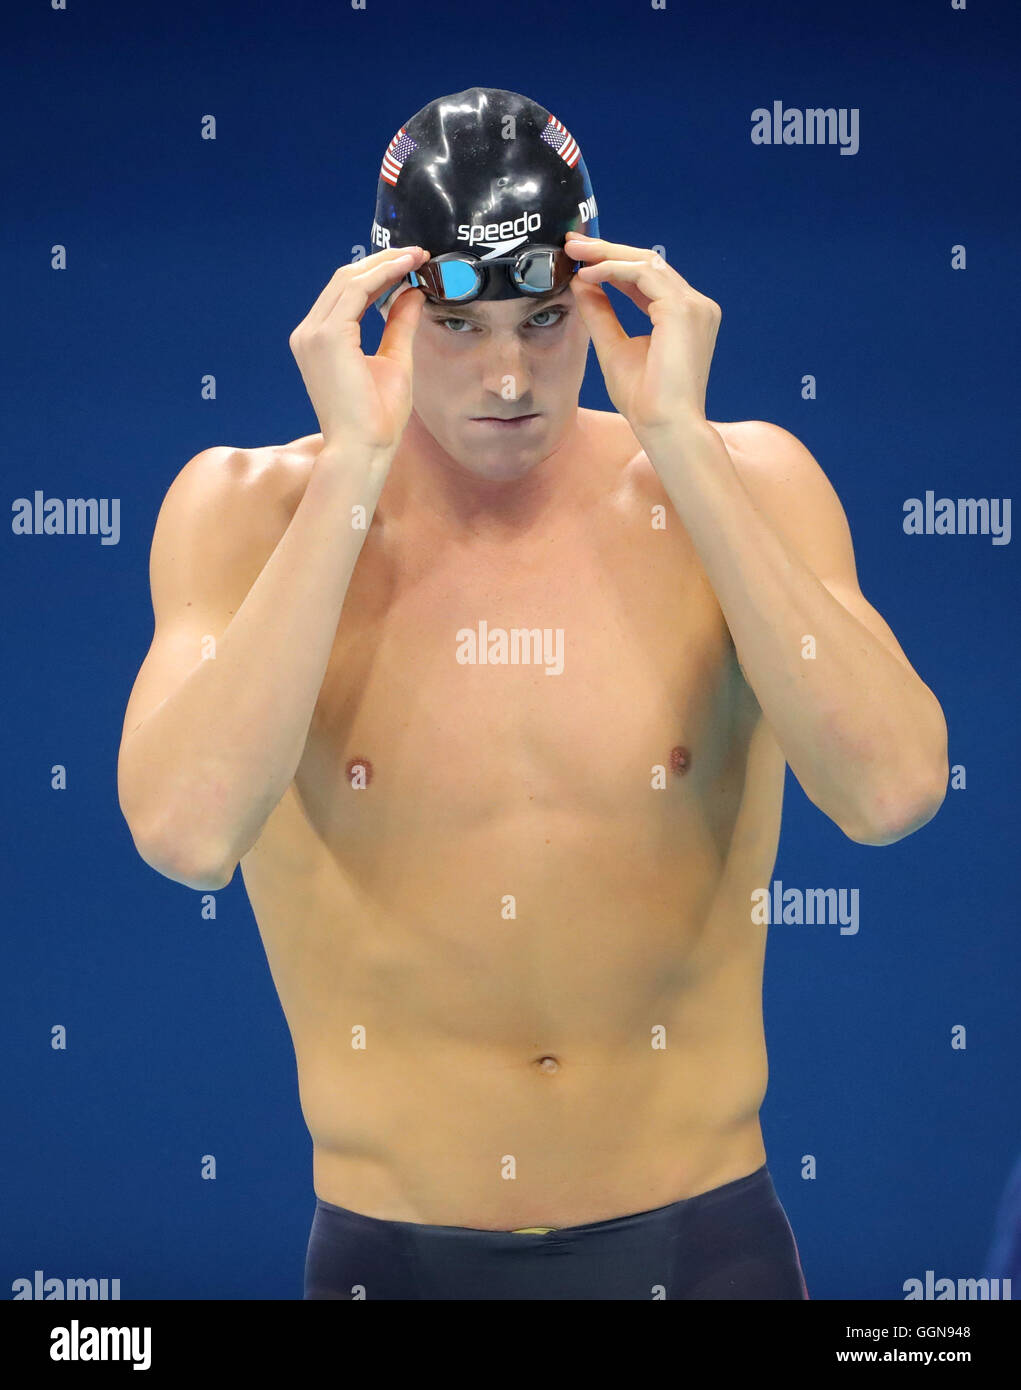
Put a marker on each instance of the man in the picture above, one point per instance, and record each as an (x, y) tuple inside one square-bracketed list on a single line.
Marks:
[(493, 711)]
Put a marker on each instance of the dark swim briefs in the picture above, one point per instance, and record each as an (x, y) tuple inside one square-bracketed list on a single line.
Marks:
[(732, 1242)]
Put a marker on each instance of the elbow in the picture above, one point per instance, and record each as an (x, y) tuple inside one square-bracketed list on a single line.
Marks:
[(888, 830), (907, 792), (895, 815), (166, 842), (203, 878), (203, 872)]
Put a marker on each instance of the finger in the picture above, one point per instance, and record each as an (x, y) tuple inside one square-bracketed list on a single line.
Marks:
[(594, 248), (632, 292), (359, 290), (334, 287), (599, 317), (639, 280), (595, 251), (400, 328)]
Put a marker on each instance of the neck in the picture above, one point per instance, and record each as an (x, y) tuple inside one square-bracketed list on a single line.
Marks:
[(425, 482)]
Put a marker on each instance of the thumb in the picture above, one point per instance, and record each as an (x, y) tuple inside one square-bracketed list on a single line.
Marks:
[(599, 318), (401, 325)]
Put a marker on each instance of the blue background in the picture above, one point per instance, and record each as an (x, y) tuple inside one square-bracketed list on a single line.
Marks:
[(188, 256)]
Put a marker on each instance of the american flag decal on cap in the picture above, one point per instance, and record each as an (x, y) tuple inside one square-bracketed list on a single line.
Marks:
[(396, 153), (562, 141)]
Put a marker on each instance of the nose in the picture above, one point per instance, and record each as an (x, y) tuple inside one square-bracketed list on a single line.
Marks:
[(505, 371)]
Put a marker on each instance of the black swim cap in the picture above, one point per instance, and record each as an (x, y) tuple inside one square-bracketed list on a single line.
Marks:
[(483, 171)]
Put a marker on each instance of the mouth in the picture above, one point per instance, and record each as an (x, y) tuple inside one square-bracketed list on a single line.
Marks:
[(503, 421)]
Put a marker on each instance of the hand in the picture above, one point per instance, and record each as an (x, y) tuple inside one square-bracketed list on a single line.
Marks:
[(656, 381), (361, 402)]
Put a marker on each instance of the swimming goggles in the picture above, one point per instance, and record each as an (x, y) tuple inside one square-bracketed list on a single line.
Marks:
[(455, 277)]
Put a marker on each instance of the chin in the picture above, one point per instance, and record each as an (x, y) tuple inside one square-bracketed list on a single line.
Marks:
[(499, 466)]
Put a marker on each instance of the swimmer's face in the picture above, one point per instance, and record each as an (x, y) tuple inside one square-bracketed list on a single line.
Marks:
[(499, 358)]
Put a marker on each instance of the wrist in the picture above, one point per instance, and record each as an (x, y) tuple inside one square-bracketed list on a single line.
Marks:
[(351, 457), (693, 463), (341, 473), (684, 424)]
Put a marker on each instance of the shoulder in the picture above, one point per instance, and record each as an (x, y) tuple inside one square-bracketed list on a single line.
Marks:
[(785, 478), (789, 487), (757, 441), (227, 508), (762, 453), (244, 482), (767, 452)]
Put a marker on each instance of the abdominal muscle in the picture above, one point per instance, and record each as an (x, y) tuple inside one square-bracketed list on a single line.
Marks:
[(590, 1047)]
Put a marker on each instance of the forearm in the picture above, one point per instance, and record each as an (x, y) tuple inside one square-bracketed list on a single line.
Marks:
[(205, 769), (862, 734)]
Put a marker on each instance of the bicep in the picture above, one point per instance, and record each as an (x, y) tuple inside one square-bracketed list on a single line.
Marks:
[(189, 582), (791, 490)]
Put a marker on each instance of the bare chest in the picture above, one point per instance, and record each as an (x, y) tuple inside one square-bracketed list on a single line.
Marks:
[(573, 674)]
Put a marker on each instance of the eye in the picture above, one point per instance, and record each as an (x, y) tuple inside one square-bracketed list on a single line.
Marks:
[(459, 325), (556, 309)]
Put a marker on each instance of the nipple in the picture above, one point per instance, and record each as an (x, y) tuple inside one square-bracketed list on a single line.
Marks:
[(680, 760), (359, 772)]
